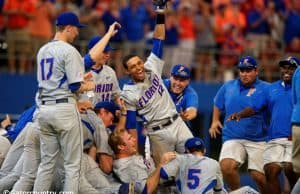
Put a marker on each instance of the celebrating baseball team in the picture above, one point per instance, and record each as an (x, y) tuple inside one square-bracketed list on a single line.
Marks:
[(81, 135)]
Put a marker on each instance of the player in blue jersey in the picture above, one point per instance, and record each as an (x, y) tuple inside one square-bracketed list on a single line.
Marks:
[(296, 126), (277, 99), (183, 95), (245, 139)]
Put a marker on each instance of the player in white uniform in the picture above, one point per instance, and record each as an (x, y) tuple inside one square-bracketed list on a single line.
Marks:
[(195, 173), (60, 78), (130, 167), (146, 96), (106, 82)]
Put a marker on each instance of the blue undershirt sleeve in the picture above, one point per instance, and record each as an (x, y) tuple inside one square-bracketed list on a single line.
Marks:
[(131, 120), (88, 62), (74, 86), (157, 48)]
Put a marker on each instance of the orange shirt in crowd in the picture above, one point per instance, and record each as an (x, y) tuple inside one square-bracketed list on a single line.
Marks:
[(18, 20), (41, 24), (187, 28)]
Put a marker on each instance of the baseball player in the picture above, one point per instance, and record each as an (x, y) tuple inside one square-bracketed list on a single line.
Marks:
[(147, 97), (183, 95), (245, 138), (277, 99), (296, 127), (106, 82), (195, 173), (16, 135), (94, 133), (130, 167), (60, 77)]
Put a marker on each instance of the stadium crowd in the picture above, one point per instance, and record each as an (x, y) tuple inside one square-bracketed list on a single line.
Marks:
[(207, 35)]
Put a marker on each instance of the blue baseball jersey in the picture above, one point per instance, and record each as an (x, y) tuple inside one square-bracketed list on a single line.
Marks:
[(14, 131), (233, 97), (296, 97), (188, 98), (277, 98)]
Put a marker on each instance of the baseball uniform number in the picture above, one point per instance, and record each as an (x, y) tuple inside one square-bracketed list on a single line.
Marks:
[(48, 62), (193, 178)]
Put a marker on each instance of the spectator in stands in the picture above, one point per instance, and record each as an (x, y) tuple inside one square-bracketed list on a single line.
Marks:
[(65, 5), (88, 15), (171, 42), (111, 15), (258, 28), (291, 20), (134, 24), (268, 57), (205, 43), (19, 13), (187, 33), (41, 26)]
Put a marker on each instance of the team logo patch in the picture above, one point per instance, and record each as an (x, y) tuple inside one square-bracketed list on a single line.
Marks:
[(181, 71), (251, 91)]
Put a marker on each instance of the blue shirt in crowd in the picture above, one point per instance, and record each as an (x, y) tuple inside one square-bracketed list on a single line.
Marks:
[(233, 97), (133, 23), (296, 97), (188, 98), (277, 99)]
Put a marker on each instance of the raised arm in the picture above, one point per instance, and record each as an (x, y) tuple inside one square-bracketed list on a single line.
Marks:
[(159, 29)]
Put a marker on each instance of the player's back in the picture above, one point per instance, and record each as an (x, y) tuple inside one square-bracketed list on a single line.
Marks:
[(58, 65), (199, 174)]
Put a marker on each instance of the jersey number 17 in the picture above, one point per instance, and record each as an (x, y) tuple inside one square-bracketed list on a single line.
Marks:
[(46, 68)]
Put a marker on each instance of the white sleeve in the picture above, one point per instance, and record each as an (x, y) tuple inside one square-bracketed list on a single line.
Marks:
[(155, 64)]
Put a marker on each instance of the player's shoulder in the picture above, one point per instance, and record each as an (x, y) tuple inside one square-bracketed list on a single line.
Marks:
[(107, 68)]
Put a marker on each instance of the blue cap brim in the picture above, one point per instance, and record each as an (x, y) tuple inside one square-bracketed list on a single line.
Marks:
[(81, 25)]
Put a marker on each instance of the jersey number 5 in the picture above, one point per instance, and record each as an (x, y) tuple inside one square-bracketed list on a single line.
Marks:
[(193, 178), (46, 67)]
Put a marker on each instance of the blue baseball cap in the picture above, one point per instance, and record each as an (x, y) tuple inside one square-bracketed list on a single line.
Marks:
[(109, 106), (194, 142), (291, 61), (93, 41), (68, 18), (181, 71), (247, 62)]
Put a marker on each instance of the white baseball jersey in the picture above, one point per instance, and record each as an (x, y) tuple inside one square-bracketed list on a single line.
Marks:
[(133, 169), (196, 174), (58, 65), (95, 133), (106, 85), (150, 98)]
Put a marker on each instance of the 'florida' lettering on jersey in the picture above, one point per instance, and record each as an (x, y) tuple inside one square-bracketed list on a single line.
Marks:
[(149, 93)]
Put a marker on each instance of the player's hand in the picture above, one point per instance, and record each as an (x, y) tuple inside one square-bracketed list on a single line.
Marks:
[(123, 107), (6, 122), (234, 117), (167, 157), (215, 129), (113, 29), (188, 114), (88, 76), (83, 106)]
